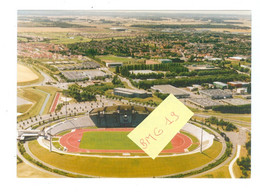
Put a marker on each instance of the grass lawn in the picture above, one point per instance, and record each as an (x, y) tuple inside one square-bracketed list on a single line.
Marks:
[(125, 60), (125, 167), (26, 171), (52, 91), (109, 140), (222, 172), (34, 96), (195, 141), (23, 108), (37, 97)]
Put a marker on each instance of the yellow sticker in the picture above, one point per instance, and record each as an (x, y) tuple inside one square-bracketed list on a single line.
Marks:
[(159, 128)]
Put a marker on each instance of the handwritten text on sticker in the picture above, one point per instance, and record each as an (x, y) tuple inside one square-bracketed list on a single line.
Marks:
[(159, 128)]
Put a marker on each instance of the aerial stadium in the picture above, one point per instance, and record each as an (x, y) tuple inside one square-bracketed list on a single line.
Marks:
[(96, 145)]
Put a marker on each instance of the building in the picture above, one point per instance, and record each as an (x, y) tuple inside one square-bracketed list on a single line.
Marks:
[(201, 67), (237, 58), (216, 93), (118, 29), (169, 89), (95, 74), (131, 93), (164, 61), (238, 84), (142, 71), (114, 64), (220, 85), (205, 103), (119, 115), (237, 101), (241, 91), (192, 88)]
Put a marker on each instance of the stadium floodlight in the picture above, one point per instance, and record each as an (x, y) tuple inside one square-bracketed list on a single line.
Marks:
[(50, 140), (201, 139)]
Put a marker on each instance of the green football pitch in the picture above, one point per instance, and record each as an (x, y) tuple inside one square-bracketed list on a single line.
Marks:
[(109, 140)]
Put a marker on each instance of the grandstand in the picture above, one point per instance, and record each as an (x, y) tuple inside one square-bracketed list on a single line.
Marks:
[(75, 123), (119, 116)]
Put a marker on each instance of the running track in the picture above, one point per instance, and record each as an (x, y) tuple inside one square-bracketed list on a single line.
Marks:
[(55, 102), (180, 142)]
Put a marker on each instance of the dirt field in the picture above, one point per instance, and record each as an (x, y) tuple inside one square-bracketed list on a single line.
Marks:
[(24, 74)]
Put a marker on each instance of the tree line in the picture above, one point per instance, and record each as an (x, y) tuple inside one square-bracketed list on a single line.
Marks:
[(183, 82), (191, 26), (241, 109)]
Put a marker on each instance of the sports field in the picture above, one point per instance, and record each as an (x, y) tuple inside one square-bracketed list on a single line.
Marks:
[(109, 140), (115, 140)]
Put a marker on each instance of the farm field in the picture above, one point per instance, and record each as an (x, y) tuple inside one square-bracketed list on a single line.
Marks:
[(27, 75), (126, 60), (120, 167)]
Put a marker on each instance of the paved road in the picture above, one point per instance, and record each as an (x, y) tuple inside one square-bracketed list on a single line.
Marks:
[(227, 119), (45, 101)]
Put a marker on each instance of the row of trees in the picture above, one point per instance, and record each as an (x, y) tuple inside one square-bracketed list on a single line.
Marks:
[(75, 91), (224, 124), (183, 82), (184, 26), (233, 109), (244, 163)]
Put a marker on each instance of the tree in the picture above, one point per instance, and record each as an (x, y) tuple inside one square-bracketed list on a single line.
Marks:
[(249, 88), (117, 70)]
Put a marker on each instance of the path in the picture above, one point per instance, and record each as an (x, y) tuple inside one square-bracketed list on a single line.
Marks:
[(230, 167), (45, 102)]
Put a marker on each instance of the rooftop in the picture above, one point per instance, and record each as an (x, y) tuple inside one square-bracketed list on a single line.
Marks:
[(217, 93), (205, 102), (125, 90), (142, 71), (169, 89), (237, 101)]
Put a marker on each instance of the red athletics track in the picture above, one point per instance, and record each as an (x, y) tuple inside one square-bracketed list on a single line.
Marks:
[(71, 141), (55, 102)]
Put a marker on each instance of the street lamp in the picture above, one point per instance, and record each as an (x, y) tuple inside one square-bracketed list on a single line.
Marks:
[(201, 139)]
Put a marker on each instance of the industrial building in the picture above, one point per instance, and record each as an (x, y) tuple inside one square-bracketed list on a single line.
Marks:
[(237, 101), (131, 93), (238, 84), (84, 74), (205, 103), (220, 85), (94, 74), (216, 93), (178, 93), (114, 64)]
